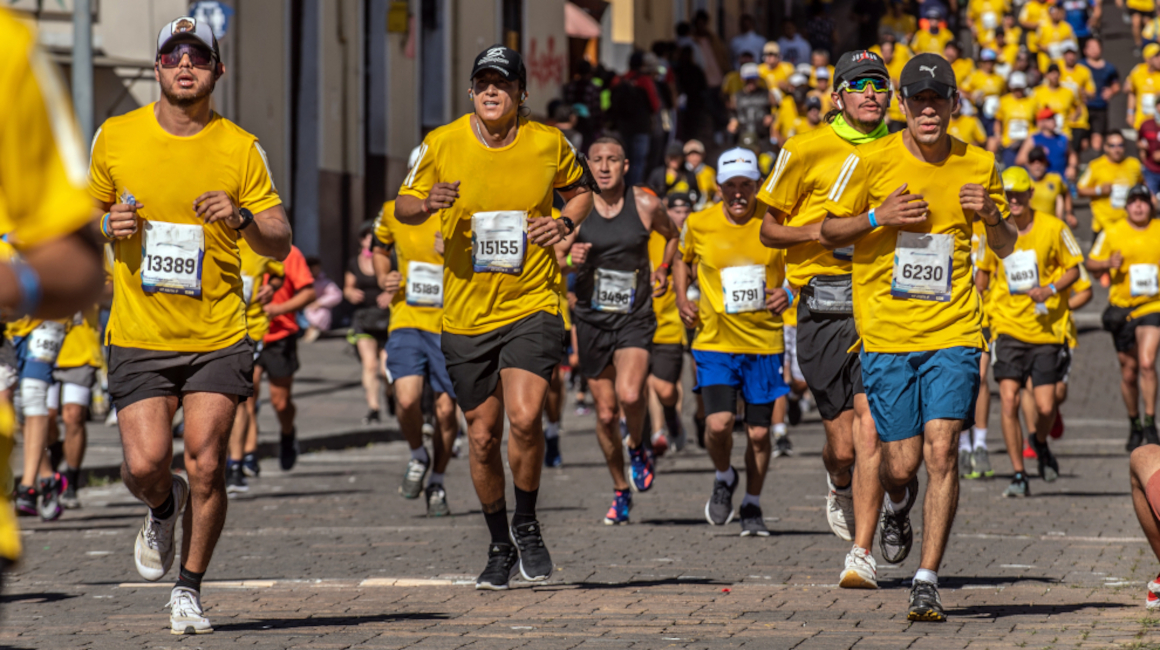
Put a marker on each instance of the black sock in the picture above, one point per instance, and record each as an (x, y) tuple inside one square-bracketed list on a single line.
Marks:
[(1149, 420), (497, 525), (165, 510), (73, 475), (672, 420), (525, 507), (189, 579), (1135, 423)]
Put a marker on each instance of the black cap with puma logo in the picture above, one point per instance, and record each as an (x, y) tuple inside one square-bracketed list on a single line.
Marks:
[(928, 72)]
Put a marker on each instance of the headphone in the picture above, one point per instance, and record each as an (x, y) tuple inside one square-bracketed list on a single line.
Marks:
[(840, 107)]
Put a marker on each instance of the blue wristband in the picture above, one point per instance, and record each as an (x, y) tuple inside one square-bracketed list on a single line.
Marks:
[(1053, 289), (873, 221), (789, 294), (105, 227), (30, 293)]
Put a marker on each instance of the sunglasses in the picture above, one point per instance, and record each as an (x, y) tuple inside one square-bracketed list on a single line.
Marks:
[(859, 85), (1112, 145), (199, 57)]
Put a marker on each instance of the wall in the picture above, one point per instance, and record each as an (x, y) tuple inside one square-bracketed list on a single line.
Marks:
[(545, 52)]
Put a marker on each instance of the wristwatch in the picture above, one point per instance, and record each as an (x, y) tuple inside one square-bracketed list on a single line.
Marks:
[(569, 224), (247, 219)]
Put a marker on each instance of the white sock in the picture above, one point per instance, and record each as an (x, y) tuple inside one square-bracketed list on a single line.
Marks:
[(926, 575), (552, 430), (980, 436), (779, 430), (658, 433), (897, 506), (845, 490), (751, 499), (965, 441), (435, 479), (420, 454), (727, 476)]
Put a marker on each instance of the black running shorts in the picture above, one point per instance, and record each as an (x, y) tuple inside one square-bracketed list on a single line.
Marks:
[(833, 374), (280, 358), (597, 346), (136, 374), (1044, 363), (666, 361)]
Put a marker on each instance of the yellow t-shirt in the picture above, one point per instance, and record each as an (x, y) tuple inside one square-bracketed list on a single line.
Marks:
[(798, 186), (707, 184), (1140, 248), (127, 155), (791, 123), (1064, 101), (902, 25), (1145, 6), (978, 243), (991, 85), (1016, 118), (888, 323), (82, 344), (924, 41), (1079, 80), (1146, 86), (670, 330), (1110, 207), (1050, 36), (714, 243), (1033, 14), (987, 14), (1051, 247), (412, 244), (774, 76), (1047, 189), (255, 269), (520, 177), (968, 129), (963, 68), (1079, 286)]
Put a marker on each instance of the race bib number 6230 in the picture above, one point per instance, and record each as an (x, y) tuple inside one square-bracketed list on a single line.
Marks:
[(922, 266)]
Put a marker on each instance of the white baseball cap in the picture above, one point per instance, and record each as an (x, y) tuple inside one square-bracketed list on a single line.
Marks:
[(1017, 80), (737, 162), (188, 30)]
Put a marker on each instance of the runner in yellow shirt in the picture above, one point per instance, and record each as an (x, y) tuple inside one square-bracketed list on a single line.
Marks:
[(1143, 87), (1077, 78), (669, 343), (894, 56), (1052, 33), (705, 175), (739, 345), (773, 70), (1107, 181), (42, 180), (963, 67), (1130, 250), (933, 34), (81, 357), (1014, 119), (915, 304), (502, 331), (1063, 101), (1033, 14), (1050, 195), (966, 126), (1140, 11), (984, 16), (985, 87), (177, 329), (1029, 317)]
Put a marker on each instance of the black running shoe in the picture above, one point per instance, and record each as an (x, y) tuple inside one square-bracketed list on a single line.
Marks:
[(793, 409), (51, 490), (535, 562), (250, 466), (69, 499), (752, 521), (26, 497), (896, 537), (501, 566), (1135, 438), (289, 453), (371, 418), (925, 604), (1048, 466), (719, 508), (236, 479), (552, 456)]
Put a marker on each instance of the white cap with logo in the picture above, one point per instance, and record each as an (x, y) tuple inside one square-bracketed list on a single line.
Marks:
[(737, 162), (188, 30)]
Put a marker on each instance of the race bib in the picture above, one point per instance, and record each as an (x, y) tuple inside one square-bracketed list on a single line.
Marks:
[(990, 20), (1022, 269), (1148, 104), (613, 291), (1055, 50), (1119, 196), (248, 288), (845, 253), (1059, 121), (990, 106), (424, 284), (743, 288), (44, 342), (498, 241), (1142, 279), (171, 258), (1017, 129), (922, 266)]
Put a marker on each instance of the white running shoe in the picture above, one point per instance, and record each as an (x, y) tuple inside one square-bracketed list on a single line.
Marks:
[(861, 570), (154, 548), (185, 613), (840, 512)]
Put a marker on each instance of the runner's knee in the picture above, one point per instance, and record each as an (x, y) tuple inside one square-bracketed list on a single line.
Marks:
[(34, 397)]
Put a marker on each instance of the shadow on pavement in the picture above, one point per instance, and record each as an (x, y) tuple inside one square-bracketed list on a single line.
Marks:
[(44, 597), (636, 584), (1003, 611), (1082, 494), (327, 621), (478, 513), (293, 495)]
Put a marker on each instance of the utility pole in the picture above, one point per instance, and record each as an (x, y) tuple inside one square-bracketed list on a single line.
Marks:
[(82, 67)]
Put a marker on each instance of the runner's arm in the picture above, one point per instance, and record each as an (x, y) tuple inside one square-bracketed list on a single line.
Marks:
[(382, 263), (69, 269), (775, 234), (982, 281), (270, 234)]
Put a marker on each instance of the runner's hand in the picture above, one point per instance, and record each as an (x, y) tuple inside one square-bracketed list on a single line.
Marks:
[(974, 197), (439, 242), (265, 294), (384, 300), (1039, 294), (1115, 260), (355, 296), (901, 209), (660, 282), (274, 309), (217, 206), (545, 231), (123, 219), (776, 300), (442, 196), (579, 253), (688, 310), (391, 282)]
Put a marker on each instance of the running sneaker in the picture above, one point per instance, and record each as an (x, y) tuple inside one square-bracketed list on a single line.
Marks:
[(782, 446), (719, 508), (69, 498), (236, 479), (51, 490), (582, 409), (185, 613), (552, 456), (437, 501), (624, 430), (1028, 450), (1019, 486), (412, 485), (861, 570), (660, 444), (1057, 428), (371, 418), (250, 466), (1153, 599), (153, 551), (681, 440), (1048, 465), (457, 446), (840, 511), (26, 497), (642, 469), (925, 604), (618, 511), (1135, 438), (289, 451), (793, 409), (1150, 436), (535, 562), (501, 566), (966, 464), (896, 537), (982, 462), (752, 521)]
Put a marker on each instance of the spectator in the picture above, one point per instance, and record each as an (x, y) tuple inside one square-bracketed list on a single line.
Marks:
[(1148, 144), (773, 70), (867, 14), (584, 97), (692, 92), (749, 107), (685, 39), (705, 175), (897, 22), (372, 318), (1107, 82), (820, 29), (715, 61), (566, 120), (748, 40), (673, 177), (328, 295), (794, 48), (1060, 158), (634, 103)]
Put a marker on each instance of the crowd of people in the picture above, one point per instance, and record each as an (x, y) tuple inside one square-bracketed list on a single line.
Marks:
[(871, 236)]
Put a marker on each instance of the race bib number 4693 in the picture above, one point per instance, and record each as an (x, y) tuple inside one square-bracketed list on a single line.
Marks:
[(498, 241), (171, 258), (1022, 270), (1143, 280), (922, 266)]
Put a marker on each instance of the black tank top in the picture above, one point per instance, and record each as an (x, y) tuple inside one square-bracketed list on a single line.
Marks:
[(619, 244)]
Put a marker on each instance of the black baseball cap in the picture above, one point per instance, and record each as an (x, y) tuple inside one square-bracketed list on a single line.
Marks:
[(928, 71), (859, 63), (1139, 191), (503, 60), (678, 200)]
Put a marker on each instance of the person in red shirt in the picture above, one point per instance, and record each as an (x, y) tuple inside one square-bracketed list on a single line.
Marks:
[(1148, 143), (279, 350)]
